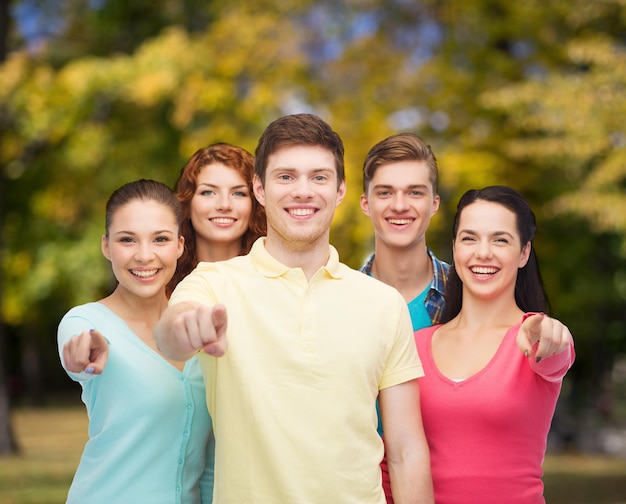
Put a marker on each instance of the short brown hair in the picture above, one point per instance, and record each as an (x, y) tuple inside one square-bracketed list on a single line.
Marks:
[(298, 129), (400, 147)]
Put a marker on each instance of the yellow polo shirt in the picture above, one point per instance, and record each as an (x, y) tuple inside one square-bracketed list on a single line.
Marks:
[(293, 399)]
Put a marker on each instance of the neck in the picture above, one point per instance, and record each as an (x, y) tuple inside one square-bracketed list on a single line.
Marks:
[(307, 256), (217, 251), (488, 313), (409, 270), (130, 307)]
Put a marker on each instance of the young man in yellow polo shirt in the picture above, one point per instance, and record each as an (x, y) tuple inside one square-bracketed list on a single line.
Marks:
[(293, 371)]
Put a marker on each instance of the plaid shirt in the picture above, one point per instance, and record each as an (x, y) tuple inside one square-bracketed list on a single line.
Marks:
[(434, 299)]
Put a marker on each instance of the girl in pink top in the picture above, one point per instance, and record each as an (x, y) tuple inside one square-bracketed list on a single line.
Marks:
[(490, 386)]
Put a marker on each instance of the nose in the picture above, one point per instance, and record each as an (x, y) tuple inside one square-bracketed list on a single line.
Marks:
[(223, 201), (144, 252), (399, 202), (302, 189), (483, 250)]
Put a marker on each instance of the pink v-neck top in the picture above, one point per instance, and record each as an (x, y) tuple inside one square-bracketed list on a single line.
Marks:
[(487, 434)]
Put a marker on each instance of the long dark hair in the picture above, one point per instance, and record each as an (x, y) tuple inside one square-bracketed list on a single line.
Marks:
[(144, 190), (530, 294)]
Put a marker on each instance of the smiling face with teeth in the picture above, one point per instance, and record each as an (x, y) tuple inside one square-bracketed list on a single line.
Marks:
[(488, 251), (220, 211), (143, 245), (300, 195), (400, 200)]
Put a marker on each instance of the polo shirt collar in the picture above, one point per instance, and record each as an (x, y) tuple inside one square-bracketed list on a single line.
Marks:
[(271, 267)]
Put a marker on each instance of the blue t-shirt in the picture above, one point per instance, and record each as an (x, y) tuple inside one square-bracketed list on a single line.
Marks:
[(417, 309)]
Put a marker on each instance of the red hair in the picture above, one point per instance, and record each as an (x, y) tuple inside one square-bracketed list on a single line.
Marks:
[(229, 155)]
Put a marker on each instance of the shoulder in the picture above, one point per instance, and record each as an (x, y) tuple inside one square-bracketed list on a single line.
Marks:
[(86, 311), (438, 263), (369, 286), (83, 318), (212, 271), (367, 267), (426, 332), (221, 267)]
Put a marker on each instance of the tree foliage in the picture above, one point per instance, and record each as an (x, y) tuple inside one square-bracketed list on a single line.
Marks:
[(522, 93)]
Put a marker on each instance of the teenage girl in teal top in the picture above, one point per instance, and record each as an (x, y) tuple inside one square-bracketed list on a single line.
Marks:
[(150, 434)]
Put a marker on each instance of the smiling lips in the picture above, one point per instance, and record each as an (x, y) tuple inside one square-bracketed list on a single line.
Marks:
[(301, 212), (484, 270), (223, 220), (144, 273), (400, 222)]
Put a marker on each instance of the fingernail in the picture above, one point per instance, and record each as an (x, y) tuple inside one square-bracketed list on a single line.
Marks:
[(526, 354), (538, 360), (89, 370), (91, 330)]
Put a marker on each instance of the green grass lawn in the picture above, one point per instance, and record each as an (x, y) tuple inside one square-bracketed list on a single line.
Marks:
[(51, 441)]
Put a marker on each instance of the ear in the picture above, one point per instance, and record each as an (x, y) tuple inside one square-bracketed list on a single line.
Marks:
[(525, 255), (104, 246), (341, 192), (181, 246), (259, 190), (435, 207), (365, 205)]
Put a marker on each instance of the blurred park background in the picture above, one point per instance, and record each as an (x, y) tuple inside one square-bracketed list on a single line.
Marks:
[(532, 94)]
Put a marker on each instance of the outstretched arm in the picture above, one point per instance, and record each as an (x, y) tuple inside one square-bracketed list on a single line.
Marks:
[(408, 457), (88, 352), (187, 327), (551, 334), (548, 344)]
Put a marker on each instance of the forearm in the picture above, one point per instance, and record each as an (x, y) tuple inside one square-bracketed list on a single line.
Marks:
[(165, 333), (554, 367), (411, 481), (408, 455)]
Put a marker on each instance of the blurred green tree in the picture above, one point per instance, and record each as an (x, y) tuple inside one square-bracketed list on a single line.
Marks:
[(525, 94)]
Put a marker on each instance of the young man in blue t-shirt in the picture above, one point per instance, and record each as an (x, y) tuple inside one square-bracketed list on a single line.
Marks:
[(400, 179)]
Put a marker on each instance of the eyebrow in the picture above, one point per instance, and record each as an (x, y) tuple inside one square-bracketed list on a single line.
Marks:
[(132, 233), (216, 186), (292, 169), (495, 233), (391, 186)]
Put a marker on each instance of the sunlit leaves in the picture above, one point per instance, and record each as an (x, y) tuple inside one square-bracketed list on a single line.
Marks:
[(574, 122)]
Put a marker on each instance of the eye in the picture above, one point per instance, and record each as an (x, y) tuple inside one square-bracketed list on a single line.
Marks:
[(383, 194), (284, 176), (126, 239), (162, 239), (320, 178), (207, 192), (467, 238), (241, 194), (417, 193)]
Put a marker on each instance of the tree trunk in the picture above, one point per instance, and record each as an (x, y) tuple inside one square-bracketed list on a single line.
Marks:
[(7, 440)]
